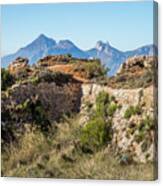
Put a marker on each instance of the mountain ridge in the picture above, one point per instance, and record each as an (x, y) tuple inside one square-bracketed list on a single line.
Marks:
[(110, 57)]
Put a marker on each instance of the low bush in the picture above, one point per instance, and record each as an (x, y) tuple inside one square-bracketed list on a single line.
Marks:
[(146, 124), (98, 131), (105, 105), (29, 111), (93, 69), (47, 76), (102, 102), (95, 134), (6, 79), (132, 110), (36, 112), (112, 108), (144, 127)]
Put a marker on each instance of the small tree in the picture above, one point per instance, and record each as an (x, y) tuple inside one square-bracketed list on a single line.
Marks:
[(95, 134)]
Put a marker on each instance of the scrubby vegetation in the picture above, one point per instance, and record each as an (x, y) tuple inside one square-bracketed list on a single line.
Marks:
[(6, 79), (146, 125), (98, 131), (132, 110), (38, 100), (48, 130), (36, 113), (92, 69), (105, 105), (58, 155), (136, 72), (137, 81), (95, 134), (69, 150), (13, 123), (112, 108), (47, 76)]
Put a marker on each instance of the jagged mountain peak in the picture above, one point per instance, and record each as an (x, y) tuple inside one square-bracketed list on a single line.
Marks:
[(101, 46), (109, 56)]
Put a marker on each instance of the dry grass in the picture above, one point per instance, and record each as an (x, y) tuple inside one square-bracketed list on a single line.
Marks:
[(57, 156)]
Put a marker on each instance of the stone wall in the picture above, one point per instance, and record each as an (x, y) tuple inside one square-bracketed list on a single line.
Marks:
[(130, 139)]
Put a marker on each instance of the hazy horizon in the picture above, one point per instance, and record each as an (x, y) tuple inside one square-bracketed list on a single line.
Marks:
[(125, 25)]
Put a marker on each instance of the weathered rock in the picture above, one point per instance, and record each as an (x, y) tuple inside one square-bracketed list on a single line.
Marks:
[(20, 64), (137, 63), (126, 131)]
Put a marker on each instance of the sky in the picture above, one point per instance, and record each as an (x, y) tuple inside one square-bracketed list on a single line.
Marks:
[(125, 25)]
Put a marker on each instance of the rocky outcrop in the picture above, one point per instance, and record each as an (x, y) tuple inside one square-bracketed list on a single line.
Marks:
[(137, 64), (53, 60), (133, 136), (20, 64), (139, 71), (84, 70)]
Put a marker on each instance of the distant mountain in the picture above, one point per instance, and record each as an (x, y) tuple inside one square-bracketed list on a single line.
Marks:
[(113, 58), (110, 56), (67, 47), (43, 46)]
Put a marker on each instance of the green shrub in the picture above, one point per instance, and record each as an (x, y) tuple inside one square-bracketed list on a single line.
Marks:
[(95, 134), (132, 111), (112, 108), (36, 112), (93, 69), (68, 55), (104, 105), (146, 124), (47, 76), (144, 127), (6, 79), (34, 80), (102, 102)]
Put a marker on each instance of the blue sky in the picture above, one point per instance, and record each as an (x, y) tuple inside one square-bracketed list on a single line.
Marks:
[(126, 25)]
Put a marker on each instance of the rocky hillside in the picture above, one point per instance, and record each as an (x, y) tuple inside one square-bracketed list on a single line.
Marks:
[(82, 114), (49, 90), (136, 72)]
